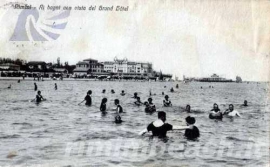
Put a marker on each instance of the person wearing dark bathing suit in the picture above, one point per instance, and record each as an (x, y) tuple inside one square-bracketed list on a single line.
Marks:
[(39, 97), (171, 90), (88, 99), (138, 102), (188, 108), (167, 102), (215, 112), (123, 93), (119, 108), (245, 103), (159, 128), (35, 87), (103, 105), (117, 119), (112, 91), (55, 86), (149, 106), (177, 86), (193, 132), (135, 95)]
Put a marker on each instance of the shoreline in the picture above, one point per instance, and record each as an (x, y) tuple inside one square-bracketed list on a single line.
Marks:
[(91, 79), (71, 79)]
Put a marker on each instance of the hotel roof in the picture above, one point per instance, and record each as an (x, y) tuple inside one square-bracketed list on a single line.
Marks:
[(89, 59)]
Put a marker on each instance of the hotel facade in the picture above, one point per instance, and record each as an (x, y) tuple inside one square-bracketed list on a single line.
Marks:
[(127, 67)]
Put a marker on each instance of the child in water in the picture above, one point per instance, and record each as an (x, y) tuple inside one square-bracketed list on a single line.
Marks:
[(167, 102), (119, 108), (103, 105)]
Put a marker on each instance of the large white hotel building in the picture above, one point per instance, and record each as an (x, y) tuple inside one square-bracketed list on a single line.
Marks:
[(125, 66)]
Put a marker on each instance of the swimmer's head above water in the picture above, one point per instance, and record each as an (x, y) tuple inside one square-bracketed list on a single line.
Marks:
[(117, 119), (215, 106), (190, 120), (104, 100), (89, 92), (245, 103), (188, 108), (116, 101), (231, 107), (162, 116)]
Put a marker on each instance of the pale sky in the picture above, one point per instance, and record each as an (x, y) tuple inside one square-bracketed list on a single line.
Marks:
[(192, 38)]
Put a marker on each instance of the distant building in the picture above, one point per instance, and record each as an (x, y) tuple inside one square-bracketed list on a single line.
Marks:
[(125, 66), (37, 66), (88, 66), (60, 70), (10, 66)]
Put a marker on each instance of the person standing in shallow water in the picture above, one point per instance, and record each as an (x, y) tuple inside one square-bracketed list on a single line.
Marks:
[(159, 128), (88, 98), (138, 101), (39, 97), (112, 91), (188, 108), (231, 112), (245, 103), (123, 93), (135, 95), (215, 112), (149, 106), (103, 105), (55, 86), (167, 102), (193, 132), (35, 87), (119, 108), (118, 119)]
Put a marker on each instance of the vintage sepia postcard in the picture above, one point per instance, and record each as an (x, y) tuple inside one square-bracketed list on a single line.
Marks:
[(134, 83)]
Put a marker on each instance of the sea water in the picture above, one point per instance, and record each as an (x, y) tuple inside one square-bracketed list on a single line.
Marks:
[(59, 132)]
